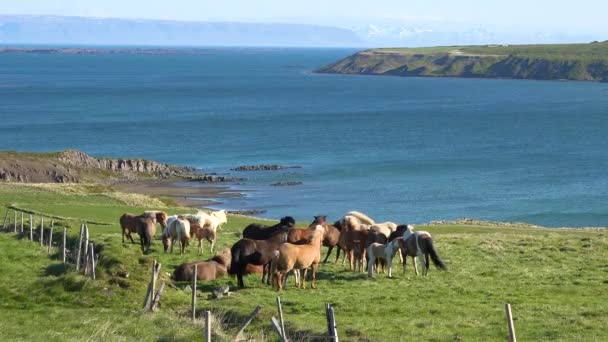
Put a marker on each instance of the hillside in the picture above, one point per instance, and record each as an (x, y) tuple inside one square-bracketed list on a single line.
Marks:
[(579, 62), (555, 279)]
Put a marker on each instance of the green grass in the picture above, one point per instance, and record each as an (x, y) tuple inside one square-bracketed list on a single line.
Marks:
[(556, 281)]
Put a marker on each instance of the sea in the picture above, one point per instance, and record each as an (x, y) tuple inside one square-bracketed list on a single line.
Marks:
[(408, 150)]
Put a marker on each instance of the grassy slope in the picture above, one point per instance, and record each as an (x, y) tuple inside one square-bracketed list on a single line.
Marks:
[(550, 62), (556, 281)]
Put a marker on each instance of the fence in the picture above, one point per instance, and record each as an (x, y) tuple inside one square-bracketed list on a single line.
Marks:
[(32, 226)]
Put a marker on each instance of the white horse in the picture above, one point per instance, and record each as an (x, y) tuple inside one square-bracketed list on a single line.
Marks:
[(361, 216), (178, 229), (384, 252), (220, 217)]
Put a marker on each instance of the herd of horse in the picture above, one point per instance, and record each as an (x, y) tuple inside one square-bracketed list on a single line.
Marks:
[(278, 250)]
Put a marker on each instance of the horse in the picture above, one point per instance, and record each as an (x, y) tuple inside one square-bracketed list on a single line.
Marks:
[(255, 252), (128, 224), (420, 244), (385, 228), (331, 237), (158, 216), (145, 229), (178, 229), (261, 232), (353, 243), (203, 233), (385, 252), (361, 216), (210, 269), (299, 257), (218, 218)]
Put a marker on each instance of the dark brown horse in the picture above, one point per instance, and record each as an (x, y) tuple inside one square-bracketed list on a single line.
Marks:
[(353, 243), (258, 231), (146, 228), (128, 224), (254, 252), (331, 237)]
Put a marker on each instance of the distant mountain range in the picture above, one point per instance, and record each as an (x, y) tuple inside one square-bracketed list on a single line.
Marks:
[(22, 29)]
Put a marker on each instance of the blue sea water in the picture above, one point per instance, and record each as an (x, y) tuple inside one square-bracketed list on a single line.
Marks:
[(400, 149)]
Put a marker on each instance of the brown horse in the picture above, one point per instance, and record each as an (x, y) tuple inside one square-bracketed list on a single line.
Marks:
[(353, 243), (210, 269), (128, 224), (145, 229), (158, 216), (203, 233), (331, 237), (255, 252), (299, 257)]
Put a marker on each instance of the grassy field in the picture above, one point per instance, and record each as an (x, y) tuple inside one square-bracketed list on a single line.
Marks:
[(556, 281)]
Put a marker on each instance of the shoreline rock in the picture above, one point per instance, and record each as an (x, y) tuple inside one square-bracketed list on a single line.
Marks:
[(286, 183), (264, 167)]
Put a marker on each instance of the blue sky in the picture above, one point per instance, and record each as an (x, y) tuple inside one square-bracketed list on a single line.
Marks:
[(573, 17)]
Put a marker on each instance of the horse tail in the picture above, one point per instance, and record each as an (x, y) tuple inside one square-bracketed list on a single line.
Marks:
[(235, 254), (433, 253)]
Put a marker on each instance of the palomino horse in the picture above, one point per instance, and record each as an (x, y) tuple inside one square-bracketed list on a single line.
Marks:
[(361, 216), (331, 237), (299, 257), (385, 228), (211, 269), (258, 231), (255, 252), (178, 229), (420, 244)]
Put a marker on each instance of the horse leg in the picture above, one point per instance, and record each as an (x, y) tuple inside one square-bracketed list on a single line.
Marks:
[(400, 255), (130, 236), (370, 267), (420, 256), (314, 267), (123, 235), (389, 265), (415, 262), (212, 244), (142, 242), (303, 278), (427, 261), (328, 253), (279, 280)]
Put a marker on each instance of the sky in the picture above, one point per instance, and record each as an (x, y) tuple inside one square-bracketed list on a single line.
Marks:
[(572, 17)]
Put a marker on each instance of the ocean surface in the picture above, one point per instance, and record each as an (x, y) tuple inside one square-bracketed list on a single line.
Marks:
[(399, 149)]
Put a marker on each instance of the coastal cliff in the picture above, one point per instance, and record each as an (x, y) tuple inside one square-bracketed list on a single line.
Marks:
[(72, 166), (579, 62)]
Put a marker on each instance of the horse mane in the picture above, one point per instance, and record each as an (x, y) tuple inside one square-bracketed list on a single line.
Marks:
[(362, 217), (221, 259)]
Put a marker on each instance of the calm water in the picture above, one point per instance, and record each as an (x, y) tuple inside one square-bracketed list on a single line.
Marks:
[(401, 149)]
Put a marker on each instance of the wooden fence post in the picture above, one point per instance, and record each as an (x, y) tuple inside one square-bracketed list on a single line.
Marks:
[(50, 240), (152, 285), (79, 247), (65, 230), (248, 320), (331, 323), (15, 223), (5, 217), (193, 301), (207, 326), (22, 223), (156, 300), (92, 261), (31, 228), (277, 326), (280, 310), (510, 325), (41, 231)]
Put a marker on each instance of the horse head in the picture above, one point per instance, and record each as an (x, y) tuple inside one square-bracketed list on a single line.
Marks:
[(288, 221)]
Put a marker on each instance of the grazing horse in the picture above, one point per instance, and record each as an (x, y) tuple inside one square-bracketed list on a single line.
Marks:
[(210, 269), (255, 252), (420, 244), (331, 237), (261, 232), (385, 252), (145, 229), (177, 230), (158, 216), (203, 233), (299, 257)]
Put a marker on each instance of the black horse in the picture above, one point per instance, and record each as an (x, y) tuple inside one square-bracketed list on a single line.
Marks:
[(255, 252), (262, 232)]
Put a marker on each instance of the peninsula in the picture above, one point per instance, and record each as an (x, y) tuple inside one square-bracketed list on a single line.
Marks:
[(577, 62)]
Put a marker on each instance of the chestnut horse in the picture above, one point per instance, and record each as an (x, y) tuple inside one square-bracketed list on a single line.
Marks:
[(202, 233), (353, 243), (210, 269), (258, 231), (158, 216), (255, 252), (299, 257)]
